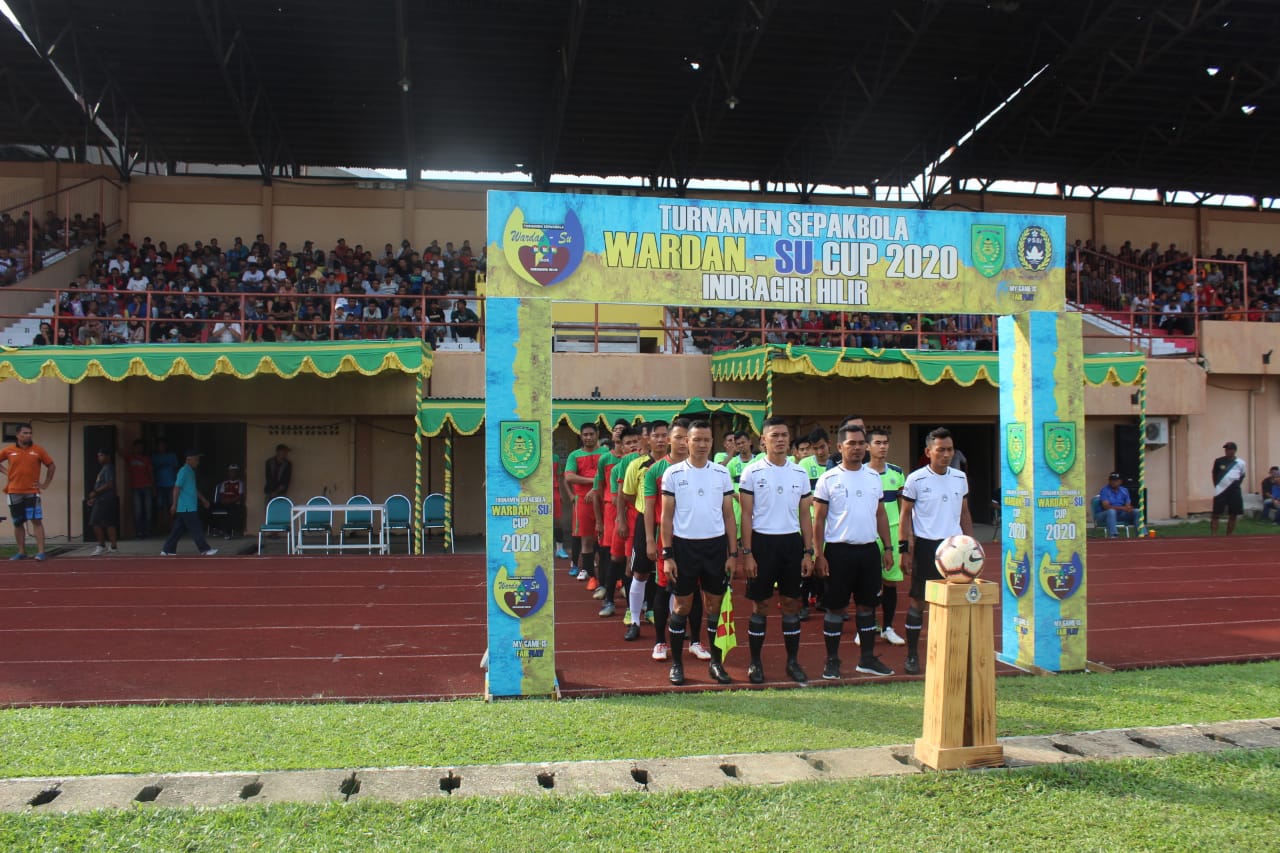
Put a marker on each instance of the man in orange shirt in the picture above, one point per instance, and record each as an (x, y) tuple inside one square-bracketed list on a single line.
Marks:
[(21, 463)]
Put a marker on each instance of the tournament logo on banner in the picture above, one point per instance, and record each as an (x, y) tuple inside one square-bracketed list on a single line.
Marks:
[(543, 253), (1015, 446), (1059, 446), (1017, 573), (521, 447), (520, 596), (1061, 580), (1035, 249), (988, 249)]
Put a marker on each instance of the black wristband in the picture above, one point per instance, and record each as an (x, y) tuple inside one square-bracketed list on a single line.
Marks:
[(903, 546), (667, 553)]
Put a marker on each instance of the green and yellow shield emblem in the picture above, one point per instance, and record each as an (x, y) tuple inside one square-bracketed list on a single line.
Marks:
[(1059, 446), (988, 249), (1015, 446), (521, 447)]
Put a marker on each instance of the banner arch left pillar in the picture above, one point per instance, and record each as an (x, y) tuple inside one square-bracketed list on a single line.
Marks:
[(519, 546)]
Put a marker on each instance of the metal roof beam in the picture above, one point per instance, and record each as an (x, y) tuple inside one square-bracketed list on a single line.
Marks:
[(1152, 47), (25, 107), (1154, 143), (244, 87), (816, 149), (561, 86), (66, 54), (412, 169), (718, 94)]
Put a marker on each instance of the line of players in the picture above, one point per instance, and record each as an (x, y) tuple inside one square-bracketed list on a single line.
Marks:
[(655, 516)]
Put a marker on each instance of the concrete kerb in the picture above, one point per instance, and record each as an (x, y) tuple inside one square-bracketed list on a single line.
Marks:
[(403, 784)]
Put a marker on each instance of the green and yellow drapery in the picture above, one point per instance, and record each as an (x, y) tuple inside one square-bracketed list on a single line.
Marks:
[(465, 415), (204, 361), (574, 413), (159, 362), (927, 366)]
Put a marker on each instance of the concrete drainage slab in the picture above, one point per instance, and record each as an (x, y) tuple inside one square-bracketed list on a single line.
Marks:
[(402, 784)]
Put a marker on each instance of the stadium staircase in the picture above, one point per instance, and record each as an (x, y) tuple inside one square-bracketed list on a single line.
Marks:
[(1153, 342)]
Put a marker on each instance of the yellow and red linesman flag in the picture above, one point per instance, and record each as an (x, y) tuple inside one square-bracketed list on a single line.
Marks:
[(726, 636)]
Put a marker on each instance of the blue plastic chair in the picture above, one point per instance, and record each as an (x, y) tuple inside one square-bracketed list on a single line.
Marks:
[(398, 516), (433, 517), (317, 521), (357, 521), (279, 520)]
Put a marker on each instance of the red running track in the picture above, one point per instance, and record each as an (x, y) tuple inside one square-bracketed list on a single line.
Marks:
[(129, 630)]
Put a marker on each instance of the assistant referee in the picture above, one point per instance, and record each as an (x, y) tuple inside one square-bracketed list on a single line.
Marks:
[(697, 516)]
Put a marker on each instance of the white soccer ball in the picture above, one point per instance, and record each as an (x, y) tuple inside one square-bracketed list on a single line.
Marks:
[(959, 559)]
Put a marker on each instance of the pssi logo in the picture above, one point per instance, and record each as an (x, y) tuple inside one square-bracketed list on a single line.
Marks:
[(543, 254)]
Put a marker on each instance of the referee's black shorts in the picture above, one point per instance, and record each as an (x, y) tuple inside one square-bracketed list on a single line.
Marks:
[(700, 564), (778, 557), (640, 562), (852, 571), (923, 568)]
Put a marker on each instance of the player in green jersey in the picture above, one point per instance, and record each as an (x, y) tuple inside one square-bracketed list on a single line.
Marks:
[(892, 479)]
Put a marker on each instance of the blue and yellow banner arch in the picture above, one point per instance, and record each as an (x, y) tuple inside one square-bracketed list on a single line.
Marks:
[(678, 251)]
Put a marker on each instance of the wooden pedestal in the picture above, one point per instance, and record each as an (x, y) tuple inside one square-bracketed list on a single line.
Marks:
[(960, 678)]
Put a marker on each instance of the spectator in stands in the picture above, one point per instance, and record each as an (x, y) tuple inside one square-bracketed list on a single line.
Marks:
[(371, 320), (117, 331), (464, 321), (44, 337), (227, 331), (91, 332)]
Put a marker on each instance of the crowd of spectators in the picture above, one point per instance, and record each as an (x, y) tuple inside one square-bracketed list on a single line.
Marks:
[(713, 330), (140, 293), (1167, 289), (27, 244)]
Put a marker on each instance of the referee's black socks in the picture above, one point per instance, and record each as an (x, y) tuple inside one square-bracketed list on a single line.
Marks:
[(832, 628), (676, 629), (791, 635), (866, 621), (756, 626), (915, 621)]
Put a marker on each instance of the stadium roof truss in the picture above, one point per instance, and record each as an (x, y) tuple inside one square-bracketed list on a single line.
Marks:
[(1167, 94)]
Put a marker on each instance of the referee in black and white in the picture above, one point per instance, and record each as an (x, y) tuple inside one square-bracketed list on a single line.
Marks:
[(935, 505), (777, 543), (849, 524), (697, 521)]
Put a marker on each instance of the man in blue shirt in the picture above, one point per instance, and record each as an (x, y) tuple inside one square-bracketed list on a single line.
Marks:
[(1117, 507), (186, 509)]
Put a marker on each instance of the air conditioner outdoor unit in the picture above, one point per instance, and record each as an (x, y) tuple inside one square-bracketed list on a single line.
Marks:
[(1157, 431)]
